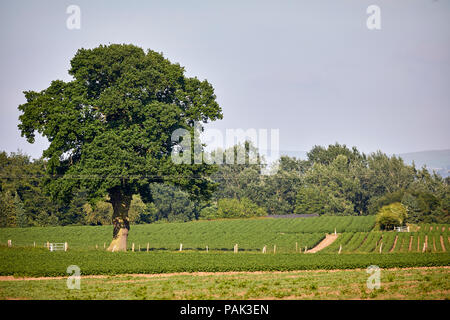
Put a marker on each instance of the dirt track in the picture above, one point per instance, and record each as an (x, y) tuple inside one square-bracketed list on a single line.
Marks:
[(329, 239)]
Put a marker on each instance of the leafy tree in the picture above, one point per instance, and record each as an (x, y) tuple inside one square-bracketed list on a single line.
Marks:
[(98, 214), (238, 179), (390, 216), (326, 156), (172, 204), (234, 208), (110, 128), (19, 210), (7, 210), (209, 213), (329, 189)]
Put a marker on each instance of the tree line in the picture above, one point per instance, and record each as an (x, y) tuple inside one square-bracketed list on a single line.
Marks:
[(333, 180)]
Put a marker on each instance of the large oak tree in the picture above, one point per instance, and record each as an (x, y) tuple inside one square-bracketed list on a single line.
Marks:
[(110, 128)]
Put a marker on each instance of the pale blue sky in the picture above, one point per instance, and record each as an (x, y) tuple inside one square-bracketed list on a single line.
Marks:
[(310, 68)]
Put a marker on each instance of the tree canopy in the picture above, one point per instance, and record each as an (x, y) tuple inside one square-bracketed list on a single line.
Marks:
[(110, 127)]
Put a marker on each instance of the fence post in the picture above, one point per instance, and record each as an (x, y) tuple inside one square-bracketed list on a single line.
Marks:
[(147, 246), (139, 247), (207, 249), (296, 247), (34, 244), (9, 243), (274, 248), (66, 246), (132, 247), (236, 248), (181, 247), (306, 248), (104, 245), (381, 246), (264, 249), (340, 249)]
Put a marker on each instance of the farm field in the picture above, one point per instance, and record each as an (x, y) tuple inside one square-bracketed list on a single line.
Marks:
[(164, 272), (413, 283), (249, 234), (42, 263)]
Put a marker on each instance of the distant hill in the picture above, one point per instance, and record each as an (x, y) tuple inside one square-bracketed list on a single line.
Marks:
[(438, 160)]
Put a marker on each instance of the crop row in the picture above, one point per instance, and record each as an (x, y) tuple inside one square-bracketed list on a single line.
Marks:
[(365, 242), (39, 262), (249, 234)]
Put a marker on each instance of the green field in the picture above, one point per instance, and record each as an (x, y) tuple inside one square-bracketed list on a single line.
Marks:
[(360, 249), (416, 283), (249, 234), (41, 262)]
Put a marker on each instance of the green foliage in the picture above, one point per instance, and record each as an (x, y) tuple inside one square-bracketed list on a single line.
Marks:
[(98, 214), (208, 213), (110, 127), (234, 208), (391, 216)]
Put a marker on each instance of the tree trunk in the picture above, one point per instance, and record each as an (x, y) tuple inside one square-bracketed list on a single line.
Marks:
[(121, 204)]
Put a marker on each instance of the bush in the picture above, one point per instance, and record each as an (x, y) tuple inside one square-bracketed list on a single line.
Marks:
[(235, 208), (391, 216), (208, 213)]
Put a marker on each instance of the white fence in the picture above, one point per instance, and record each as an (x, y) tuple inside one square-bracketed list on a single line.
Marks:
[(401, 229), (57, 246)]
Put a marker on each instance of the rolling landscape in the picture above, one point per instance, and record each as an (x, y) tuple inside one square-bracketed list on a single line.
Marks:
[(231, 157)]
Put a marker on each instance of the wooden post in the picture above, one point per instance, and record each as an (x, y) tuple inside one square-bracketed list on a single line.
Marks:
[(66, 246), (104, 245), (147, 246), (340, 249), (381, 246), (34, 244), (206, 249), (9, 243), (139, 248), (334, 231), (181, 247), (424, 247), (306, 248), (132, 247), (274, 248), (264, 250), (236, 248), (296, 247)]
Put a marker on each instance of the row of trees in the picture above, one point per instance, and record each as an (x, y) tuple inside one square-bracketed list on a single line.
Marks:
[(334, 180)]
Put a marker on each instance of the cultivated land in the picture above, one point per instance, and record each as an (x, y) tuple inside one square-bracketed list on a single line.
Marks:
[(421, 257), (412, 283)]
